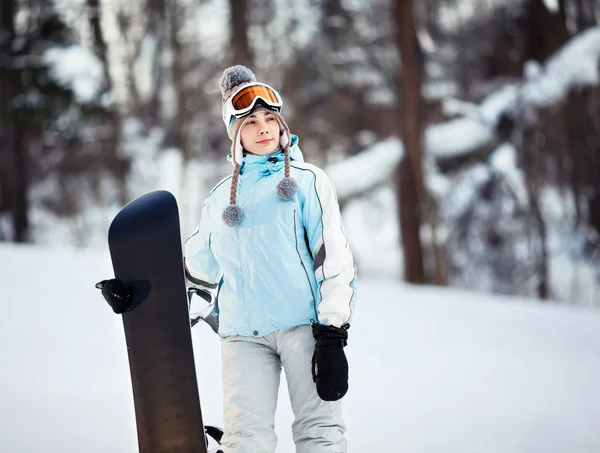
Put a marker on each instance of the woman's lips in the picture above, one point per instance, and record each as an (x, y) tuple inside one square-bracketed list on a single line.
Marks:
[(266, 141)]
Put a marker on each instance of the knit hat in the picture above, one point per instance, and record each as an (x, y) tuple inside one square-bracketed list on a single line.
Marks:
[(233, 80)]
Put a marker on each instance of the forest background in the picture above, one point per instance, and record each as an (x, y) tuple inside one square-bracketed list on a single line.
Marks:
[(463, 136)]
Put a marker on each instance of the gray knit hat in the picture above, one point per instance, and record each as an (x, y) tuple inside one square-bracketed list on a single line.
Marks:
[(232, 80)]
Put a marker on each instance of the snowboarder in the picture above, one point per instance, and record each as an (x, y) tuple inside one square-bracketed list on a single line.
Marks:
[(271, 251)]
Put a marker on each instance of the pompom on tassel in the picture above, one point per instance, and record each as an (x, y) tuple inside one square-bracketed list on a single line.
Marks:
[(287, 188), (232, 215)]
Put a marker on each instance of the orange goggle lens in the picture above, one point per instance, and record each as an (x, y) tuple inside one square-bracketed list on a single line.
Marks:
[(247, 97)]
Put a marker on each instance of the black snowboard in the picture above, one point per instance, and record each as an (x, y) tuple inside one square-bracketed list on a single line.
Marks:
[(146, 252)]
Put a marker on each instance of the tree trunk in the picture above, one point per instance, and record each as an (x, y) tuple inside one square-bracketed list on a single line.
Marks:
[(531, 157), (113, 114), (16, 162), (337, 35), (20, 201), (409, 179), (562, 11), (239, 33), (157, 17), (182, 120), (132, 48)]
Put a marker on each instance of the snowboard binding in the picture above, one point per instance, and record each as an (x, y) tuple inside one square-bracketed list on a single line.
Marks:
[(206, 313), (216, 434)]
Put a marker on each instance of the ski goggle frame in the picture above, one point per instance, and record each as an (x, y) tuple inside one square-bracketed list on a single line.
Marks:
[(244, 100)]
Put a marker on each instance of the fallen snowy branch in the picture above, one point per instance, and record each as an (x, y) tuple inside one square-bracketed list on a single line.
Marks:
[(576, 64)]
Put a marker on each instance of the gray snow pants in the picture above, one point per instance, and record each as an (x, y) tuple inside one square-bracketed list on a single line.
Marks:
[(251, 373)]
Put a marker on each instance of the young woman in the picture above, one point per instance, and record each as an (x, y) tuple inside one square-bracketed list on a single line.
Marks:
[(271, 250)]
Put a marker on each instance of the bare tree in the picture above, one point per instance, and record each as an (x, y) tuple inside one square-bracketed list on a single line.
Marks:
[(181, 123), (239, 35), (409, 175), (530, 154), (562, 11), (156, 29), (13, 166), (113, 116), (132, 49)]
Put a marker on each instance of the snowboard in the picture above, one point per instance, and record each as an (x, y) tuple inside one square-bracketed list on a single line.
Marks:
[(146, 252)]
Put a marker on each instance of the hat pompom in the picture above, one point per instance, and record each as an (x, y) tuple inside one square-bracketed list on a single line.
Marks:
[(287, 188), (233, 77), (232, 215)]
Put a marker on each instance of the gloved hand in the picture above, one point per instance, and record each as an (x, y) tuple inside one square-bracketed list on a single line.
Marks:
[(329, 363), (117, 293)]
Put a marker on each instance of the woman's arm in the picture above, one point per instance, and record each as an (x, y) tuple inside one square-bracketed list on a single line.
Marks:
[(334, 266), (201, 268)]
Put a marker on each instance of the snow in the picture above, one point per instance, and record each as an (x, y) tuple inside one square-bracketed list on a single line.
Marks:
[(371, 221), (371, 225), (576, 64), (455, 137), (356, 174), (210, 35), (504, 160), (144, 74), (552, 5), (431, 369), (77, 68)]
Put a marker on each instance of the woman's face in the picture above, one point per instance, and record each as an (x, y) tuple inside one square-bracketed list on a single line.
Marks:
[(260, 133)]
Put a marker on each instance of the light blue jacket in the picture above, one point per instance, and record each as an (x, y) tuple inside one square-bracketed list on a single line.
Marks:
[(287, 263)]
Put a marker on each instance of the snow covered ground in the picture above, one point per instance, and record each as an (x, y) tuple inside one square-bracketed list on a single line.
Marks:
[(432, 370)]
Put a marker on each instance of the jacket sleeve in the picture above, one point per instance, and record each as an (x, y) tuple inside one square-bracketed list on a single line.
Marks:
[(201, 267), (333, 262)]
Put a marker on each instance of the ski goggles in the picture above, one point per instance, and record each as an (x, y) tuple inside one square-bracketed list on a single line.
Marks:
[(245, 100)]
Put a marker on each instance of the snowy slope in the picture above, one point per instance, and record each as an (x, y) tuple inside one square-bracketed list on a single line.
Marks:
[(432, 370)]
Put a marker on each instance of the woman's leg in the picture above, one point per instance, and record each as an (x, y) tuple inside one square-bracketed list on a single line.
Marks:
[(318, 425), (251, 373)]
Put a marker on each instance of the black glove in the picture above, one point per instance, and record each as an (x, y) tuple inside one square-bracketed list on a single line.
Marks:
[(329, 363), (117, 293)]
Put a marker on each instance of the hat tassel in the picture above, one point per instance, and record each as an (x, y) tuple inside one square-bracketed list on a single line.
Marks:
[(232, 215), (287, 187)]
